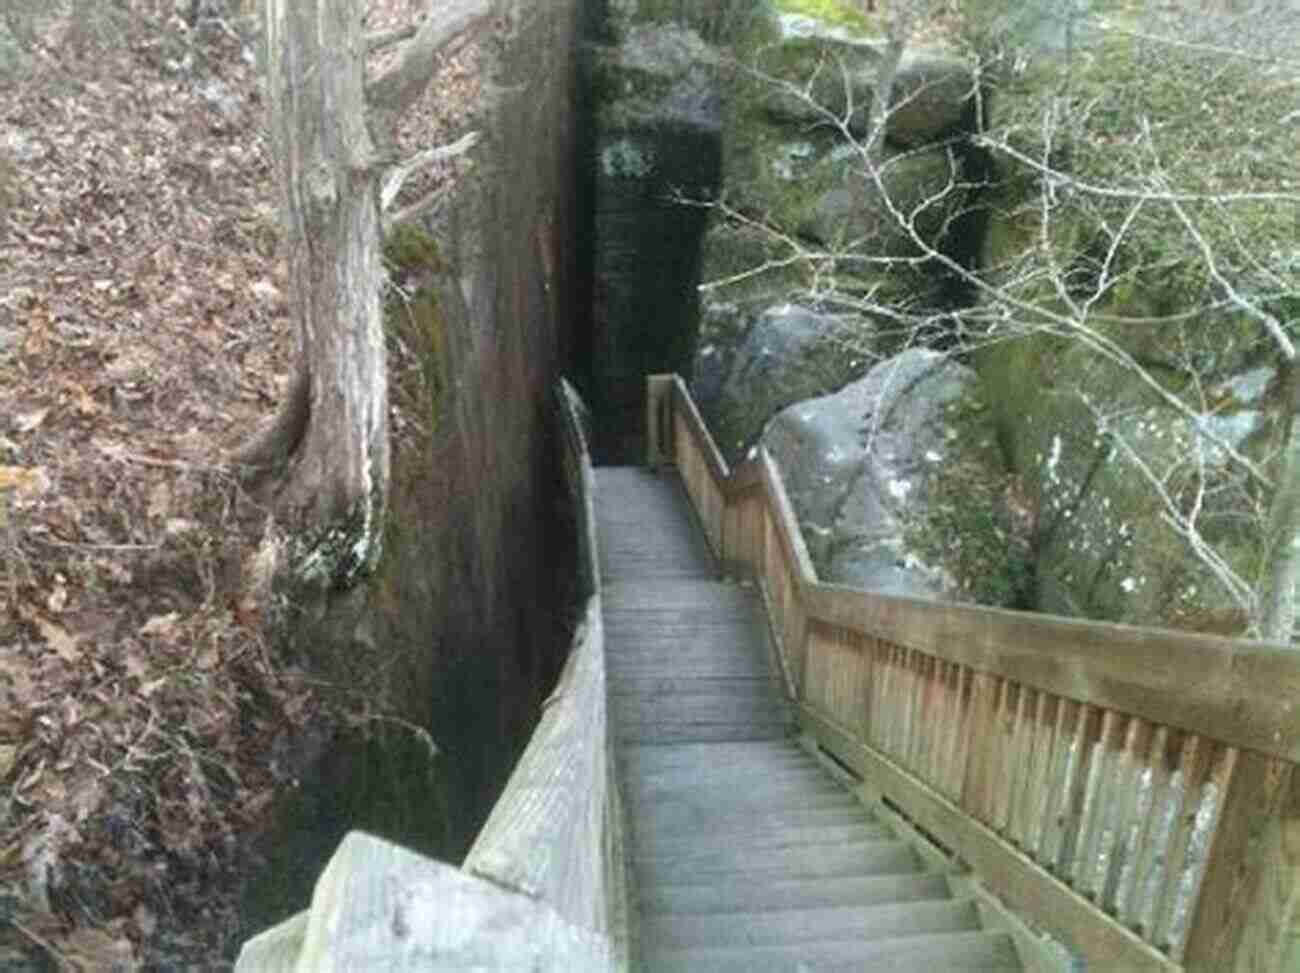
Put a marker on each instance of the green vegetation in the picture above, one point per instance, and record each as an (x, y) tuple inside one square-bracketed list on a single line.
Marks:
[(415, 325), (968, 525), (836, 12), (1144, 120)]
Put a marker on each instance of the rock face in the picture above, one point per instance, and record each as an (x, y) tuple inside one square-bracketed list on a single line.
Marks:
[(657, 143), (1106, 444), (777, 326), (788, 354), (884, 476), (1088, 437)]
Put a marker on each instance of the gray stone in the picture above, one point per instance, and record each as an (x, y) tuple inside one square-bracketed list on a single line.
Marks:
[(924, 187), (869, 468), (1078, 431), (748, 369)]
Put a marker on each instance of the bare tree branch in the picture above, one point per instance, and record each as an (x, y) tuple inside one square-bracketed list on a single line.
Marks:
[(398, 176), (448, 22), (387, 38)]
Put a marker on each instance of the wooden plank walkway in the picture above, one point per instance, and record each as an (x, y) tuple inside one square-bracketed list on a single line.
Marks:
[(747, 854)]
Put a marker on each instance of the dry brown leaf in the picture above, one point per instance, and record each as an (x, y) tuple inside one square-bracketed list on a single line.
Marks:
[(27, 421), (160, 500), (57, 600), (86, 405), (164, 626), (56, 636)]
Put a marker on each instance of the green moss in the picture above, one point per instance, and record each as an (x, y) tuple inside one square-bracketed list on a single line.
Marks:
[(415, 325), (966, 524), (1142, 119), (409, 249), (838, 13)]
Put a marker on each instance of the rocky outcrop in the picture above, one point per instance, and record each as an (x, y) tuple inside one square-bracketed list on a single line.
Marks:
[(791, 133), (789, 353), (898, 484), (1099, 412), (657, 149)]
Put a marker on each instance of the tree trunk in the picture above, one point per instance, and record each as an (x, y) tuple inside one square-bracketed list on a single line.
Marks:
[(333, 429)]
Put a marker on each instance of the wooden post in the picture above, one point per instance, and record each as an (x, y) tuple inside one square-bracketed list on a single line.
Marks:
[(1244, 908), (658, 421)]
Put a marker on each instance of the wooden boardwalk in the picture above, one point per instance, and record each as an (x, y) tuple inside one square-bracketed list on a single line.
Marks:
[(747, 854)]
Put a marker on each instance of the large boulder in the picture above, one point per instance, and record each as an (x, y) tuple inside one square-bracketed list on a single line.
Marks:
[(819, 71), (789, 165), (1105, 460), (899, 486), (788, 353), (1127, 349)]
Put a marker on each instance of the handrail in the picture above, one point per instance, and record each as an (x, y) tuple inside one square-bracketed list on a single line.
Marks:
[(545, 884), (1130, 790), (556, 832)]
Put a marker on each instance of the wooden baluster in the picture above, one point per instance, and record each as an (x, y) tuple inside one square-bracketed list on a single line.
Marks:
[(1038, 793), (861, 683), (1096, 822), (1022, 761), (1132, 805), (1144, 857), (984, 698), (959, 738), (1058, 783), (925, 760), (1202, 826), (1185, 789), (1004, 744)]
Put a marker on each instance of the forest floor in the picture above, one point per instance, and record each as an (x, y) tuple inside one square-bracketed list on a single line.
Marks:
[(146, 725)]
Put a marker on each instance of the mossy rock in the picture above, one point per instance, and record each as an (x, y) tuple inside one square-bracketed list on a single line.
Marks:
[(1142, 120), (1105, 548), (416, 329)]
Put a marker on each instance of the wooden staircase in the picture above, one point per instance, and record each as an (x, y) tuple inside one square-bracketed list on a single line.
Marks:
[(747, 853)]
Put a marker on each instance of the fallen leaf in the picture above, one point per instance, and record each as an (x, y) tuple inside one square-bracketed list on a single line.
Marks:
[(8, 757), (27, 421), (161, 625), (55, 635), (57, 600), (86, 405), (160, 500)]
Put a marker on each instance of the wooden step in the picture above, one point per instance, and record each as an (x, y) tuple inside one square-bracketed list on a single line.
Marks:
[(711, 755), (942, 953), (760, 840), (657, 824), (823, 860), (730, 895), (685, 816), (800, 925)]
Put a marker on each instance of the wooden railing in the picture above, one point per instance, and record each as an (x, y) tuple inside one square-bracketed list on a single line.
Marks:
[(1130, 791), (556, 832), (545, 884)]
